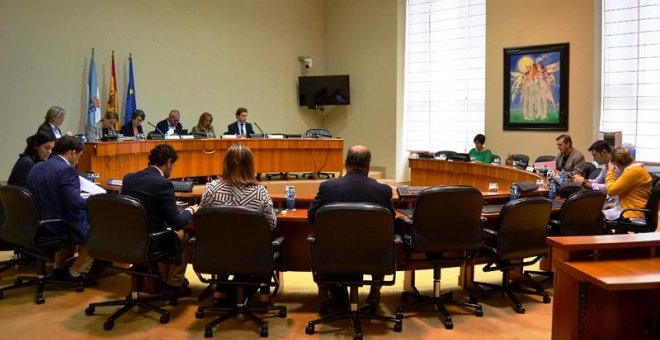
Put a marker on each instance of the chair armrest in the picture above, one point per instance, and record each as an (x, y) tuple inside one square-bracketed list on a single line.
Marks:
[(491, 232), (69, 227), (397, 239), (405, 219), (311, 238), (170, 237), (278, 241), (621, 217)]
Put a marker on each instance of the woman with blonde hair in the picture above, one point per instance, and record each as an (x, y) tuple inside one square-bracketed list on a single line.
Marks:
[(204, 126), (633, 185)]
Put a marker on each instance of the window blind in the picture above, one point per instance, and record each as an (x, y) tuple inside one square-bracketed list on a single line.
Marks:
[(631, 73), (445, 74)]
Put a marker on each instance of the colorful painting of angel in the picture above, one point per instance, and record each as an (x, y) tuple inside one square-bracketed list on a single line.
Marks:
[(536, 92)]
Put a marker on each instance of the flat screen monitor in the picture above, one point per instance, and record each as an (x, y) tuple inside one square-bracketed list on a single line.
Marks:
[(323, 90)]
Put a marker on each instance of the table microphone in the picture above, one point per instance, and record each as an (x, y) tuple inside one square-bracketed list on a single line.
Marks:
[(157, 129), (260, 130)]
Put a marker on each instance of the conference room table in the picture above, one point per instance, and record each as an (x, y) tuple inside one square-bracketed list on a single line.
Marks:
[(204, 157)]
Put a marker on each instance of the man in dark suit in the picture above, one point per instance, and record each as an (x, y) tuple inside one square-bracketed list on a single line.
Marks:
[(240, 127), (152, 187), (170, 125), (55, 186), (355, 186)]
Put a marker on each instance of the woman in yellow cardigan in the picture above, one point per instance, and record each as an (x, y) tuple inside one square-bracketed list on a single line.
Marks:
[(633, 186)]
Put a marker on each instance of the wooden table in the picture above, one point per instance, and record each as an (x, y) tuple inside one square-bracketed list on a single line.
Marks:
[(614, 295), (204, 157), (427, 172)]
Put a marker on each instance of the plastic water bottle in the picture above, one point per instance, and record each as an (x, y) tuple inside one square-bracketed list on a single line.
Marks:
[(290, 192), (563, 177), (552, 190), (515, 192)]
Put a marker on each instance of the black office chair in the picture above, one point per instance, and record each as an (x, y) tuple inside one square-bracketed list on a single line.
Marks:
[(447, 227), (317, 133), (594, 173), (624, 225), (351, 240), (545, 158), (129, 239), (447, 153), (580, 214), (519, 161), (521, 234), (588, 169), (497, 159), (236, 241), (20, 228)]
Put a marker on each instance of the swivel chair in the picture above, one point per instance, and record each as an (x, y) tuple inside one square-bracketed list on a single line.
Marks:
[(447, 227), (519, 161), (352, 240), (319, 134), (129, 240), (446, 153), (521, 234), (236, 241), (545, 158), (21, 229), (624, 225), (588, 169)]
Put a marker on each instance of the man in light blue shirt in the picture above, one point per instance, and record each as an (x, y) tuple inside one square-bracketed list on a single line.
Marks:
[(602, 153)]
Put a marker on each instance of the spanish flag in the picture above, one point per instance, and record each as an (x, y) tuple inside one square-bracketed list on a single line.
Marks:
[(112, 96)]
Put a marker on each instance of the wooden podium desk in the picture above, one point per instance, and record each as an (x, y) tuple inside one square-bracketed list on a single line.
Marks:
[(429, 172), (204, 157), (615, 295)]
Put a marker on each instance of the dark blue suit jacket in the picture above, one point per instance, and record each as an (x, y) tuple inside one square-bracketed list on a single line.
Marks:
[(48, 129), (127, 130), (20, 171), (356, 186), (163, 126), (232, 129), (157, 196), (56, 188)]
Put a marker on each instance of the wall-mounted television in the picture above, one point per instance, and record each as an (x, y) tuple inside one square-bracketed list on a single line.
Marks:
[(323, 90)]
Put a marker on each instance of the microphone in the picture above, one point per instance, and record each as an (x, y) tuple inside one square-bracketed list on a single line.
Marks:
[(260, 130), (157, 129)]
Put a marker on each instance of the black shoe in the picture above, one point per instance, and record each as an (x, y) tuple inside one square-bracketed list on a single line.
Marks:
[(65, 276)]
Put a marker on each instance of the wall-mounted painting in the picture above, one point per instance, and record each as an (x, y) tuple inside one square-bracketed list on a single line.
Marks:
[(536, 88)]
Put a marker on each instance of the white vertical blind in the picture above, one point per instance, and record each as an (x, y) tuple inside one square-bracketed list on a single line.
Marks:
[(445, 74), (631, 74)]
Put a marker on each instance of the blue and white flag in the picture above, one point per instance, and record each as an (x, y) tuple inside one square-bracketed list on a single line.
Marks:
[(93, 102), (131, 105)]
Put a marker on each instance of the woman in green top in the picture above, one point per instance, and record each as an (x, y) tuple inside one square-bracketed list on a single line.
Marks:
[(480, 153)]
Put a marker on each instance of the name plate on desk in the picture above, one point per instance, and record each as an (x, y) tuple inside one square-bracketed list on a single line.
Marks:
[(228, 136), (172, 137), (187, 136), (275, 136)]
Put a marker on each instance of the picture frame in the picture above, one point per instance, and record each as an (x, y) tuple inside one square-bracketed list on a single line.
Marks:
[(536, 87)]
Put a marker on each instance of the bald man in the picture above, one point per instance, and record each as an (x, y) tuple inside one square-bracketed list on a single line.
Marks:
[(355, 186)]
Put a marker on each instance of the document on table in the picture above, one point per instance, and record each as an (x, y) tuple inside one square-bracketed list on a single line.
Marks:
[(88, 188)]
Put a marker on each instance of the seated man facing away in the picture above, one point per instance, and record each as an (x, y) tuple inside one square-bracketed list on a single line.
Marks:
[(55, 186), (356, 186), (152, 187)]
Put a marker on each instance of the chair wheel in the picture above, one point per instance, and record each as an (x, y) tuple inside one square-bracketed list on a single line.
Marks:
[(399, 314), (199, 314), (546, 299), (519, 309), (264, 331), (39, 299), (89, 311), (309, 329), (108, 325), (282, 313), (398, 326), (80, 289), (479, 312), (358, 336), (208, 332), (449, 324), (165, 318)]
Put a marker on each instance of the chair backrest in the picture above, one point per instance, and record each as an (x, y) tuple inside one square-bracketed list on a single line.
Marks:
[(21, 222), (594, 173), (119, 229), (353, 239), (448, 218), (544, 158), (232, 240), (521, 160), (582, 214), (522, 228), (652, 204), (447, 153), (588, 169), (317, 133)]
